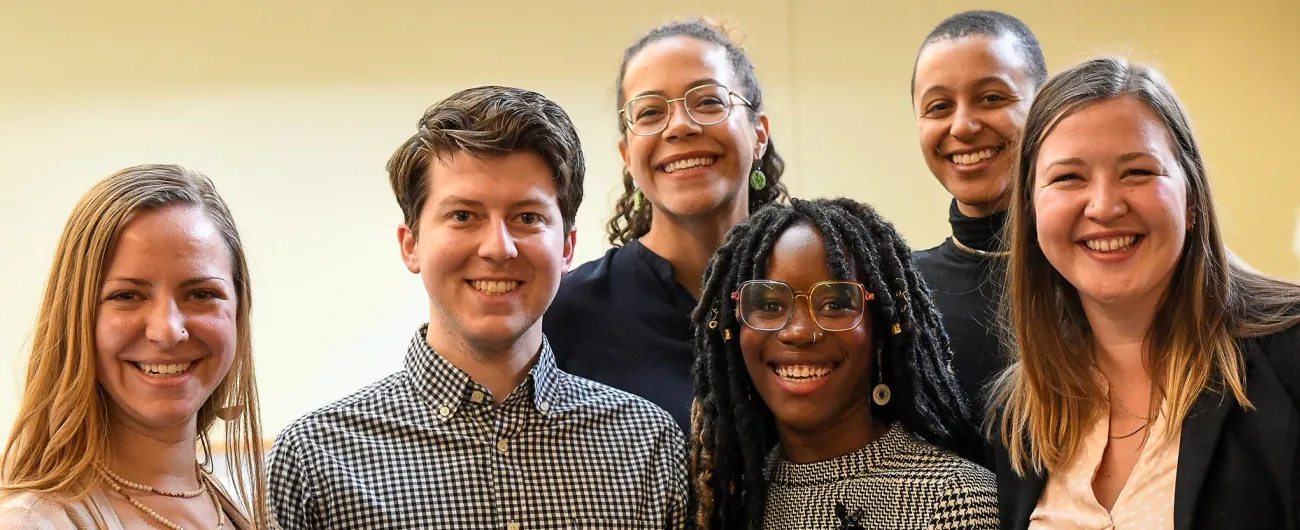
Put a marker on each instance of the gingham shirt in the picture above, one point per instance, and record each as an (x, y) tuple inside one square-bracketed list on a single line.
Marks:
[(896, 482), (427, 448)]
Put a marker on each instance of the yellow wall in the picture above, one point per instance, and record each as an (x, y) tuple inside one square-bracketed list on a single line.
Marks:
[(293, 108)]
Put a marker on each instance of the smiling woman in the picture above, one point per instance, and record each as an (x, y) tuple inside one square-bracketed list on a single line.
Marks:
[(142, 344), (1154, 371), (698, 158), (844, 410)]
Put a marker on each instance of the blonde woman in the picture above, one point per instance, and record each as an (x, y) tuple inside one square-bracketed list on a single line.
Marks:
[(142, 343), (1157, 376)]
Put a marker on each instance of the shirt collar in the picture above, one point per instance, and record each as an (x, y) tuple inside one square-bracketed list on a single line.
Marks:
[(869, 459), (446, 387)]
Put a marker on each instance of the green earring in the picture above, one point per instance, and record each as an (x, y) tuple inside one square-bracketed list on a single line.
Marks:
[(757, 179), (637, 199)]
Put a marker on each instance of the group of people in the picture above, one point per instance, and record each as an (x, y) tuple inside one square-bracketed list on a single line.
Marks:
[(1082, 352)]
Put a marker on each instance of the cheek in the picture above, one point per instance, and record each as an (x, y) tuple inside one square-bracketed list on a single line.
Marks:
[(1054, 219), (115, 331)]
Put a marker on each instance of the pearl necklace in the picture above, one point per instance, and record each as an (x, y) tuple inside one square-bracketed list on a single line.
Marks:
[(117, 483)]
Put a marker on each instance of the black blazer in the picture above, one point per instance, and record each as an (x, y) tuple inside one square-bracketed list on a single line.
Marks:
[(1237, 469)]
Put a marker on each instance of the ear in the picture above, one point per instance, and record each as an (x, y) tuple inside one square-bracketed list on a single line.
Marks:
[(410, 245), (760, 133), (622, 150), (570, 243)]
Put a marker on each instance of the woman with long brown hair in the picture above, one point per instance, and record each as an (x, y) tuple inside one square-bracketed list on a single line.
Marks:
[(142, 343), (1156, 375)]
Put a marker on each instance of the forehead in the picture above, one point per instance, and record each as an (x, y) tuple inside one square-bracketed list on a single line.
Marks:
[(1108, 128), (516, 176), (673, 65), (168, 239), (960, 62), (799, 257)]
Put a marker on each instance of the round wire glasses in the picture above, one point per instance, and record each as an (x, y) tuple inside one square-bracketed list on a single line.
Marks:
[(768, 305), (648, 115)]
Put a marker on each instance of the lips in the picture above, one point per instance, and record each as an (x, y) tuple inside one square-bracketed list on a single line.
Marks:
[(1112, 244), (495, 287), (973, 157), (164, 370)]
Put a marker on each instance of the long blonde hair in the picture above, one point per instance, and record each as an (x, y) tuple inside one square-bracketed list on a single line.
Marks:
[(1048, 397), (61, 429)]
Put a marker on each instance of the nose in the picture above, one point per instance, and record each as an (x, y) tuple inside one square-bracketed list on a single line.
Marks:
[(966, 124), (1106, 201), (498, 243), (680, 124), (801, 329), (166, 324)]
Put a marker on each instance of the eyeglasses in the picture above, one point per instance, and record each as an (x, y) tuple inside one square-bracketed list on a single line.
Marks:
[(705, 104), (768, 305)]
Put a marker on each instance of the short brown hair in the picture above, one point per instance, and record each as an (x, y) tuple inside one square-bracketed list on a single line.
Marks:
[(490, 121)]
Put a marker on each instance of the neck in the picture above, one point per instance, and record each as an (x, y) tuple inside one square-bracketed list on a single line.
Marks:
[(984, 209), (1120, 332), (163, 459), (501, 368), (689, 242), (854, 431)]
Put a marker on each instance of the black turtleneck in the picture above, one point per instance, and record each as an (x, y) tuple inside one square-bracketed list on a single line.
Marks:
[(966, 286)]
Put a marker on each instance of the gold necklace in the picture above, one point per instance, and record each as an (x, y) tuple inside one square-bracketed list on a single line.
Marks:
[(113, 481), (1135, 431), (983, 253)]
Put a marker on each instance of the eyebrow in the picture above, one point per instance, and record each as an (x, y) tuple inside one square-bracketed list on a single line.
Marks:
[(187, 283), (981, 81), (694, 84), (1076, 161), (457, 200)]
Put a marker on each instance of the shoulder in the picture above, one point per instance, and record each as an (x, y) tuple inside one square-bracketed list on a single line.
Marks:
[(618, 410), (333, 421), (1281, 352), (582, 284), (958, 475), (968, 496), (29, 510)]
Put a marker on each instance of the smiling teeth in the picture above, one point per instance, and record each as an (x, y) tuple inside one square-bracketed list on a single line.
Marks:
[(164, 369), (495, 287), (1113, 244), (689, 163), (801, 372), (974, 158)]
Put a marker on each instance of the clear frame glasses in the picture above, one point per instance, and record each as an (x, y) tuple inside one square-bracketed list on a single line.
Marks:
[(705, 105), (768, 305)]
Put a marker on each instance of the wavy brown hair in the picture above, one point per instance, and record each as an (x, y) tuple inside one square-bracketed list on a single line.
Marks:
[(628, 222), (62, 426), (1048, 397)]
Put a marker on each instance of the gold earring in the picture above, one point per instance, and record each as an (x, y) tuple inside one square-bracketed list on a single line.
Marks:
[(726, 335)]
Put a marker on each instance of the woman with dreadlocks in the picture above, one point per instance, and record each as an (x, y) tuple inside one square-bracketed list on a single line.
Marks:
[(837, 409)]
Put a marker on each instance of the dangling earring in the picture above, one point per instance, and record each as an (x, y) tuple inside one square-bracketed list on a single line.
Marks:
[(637, 200), (757, 179), (880, 394)]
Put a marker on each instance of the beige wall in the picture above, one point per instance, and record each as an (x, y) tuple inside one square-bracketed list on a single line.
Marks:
[(294, 107)]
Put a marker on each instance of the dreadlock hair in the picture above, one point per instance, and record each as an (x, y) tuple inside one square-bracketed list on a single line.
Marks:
[(734, 431), (629, 222)]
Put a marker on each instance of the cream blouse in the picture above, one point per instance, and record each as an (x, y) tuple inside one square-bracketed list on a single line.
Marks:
[(1146, 502)]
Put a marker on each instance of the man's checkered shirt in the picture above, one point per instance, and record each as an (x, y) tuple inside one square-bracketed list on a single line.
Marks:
[(427, 448)]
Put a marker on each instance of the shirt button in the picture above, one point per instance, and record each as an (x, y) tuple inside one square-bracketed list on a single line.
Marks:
[(444, 411), (504, 447), (512, 526), (476, 397), (544, 406)]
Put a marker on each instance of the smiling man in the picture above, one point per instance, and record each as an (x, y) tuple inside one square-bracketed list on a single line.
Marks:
[(481, 430)]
